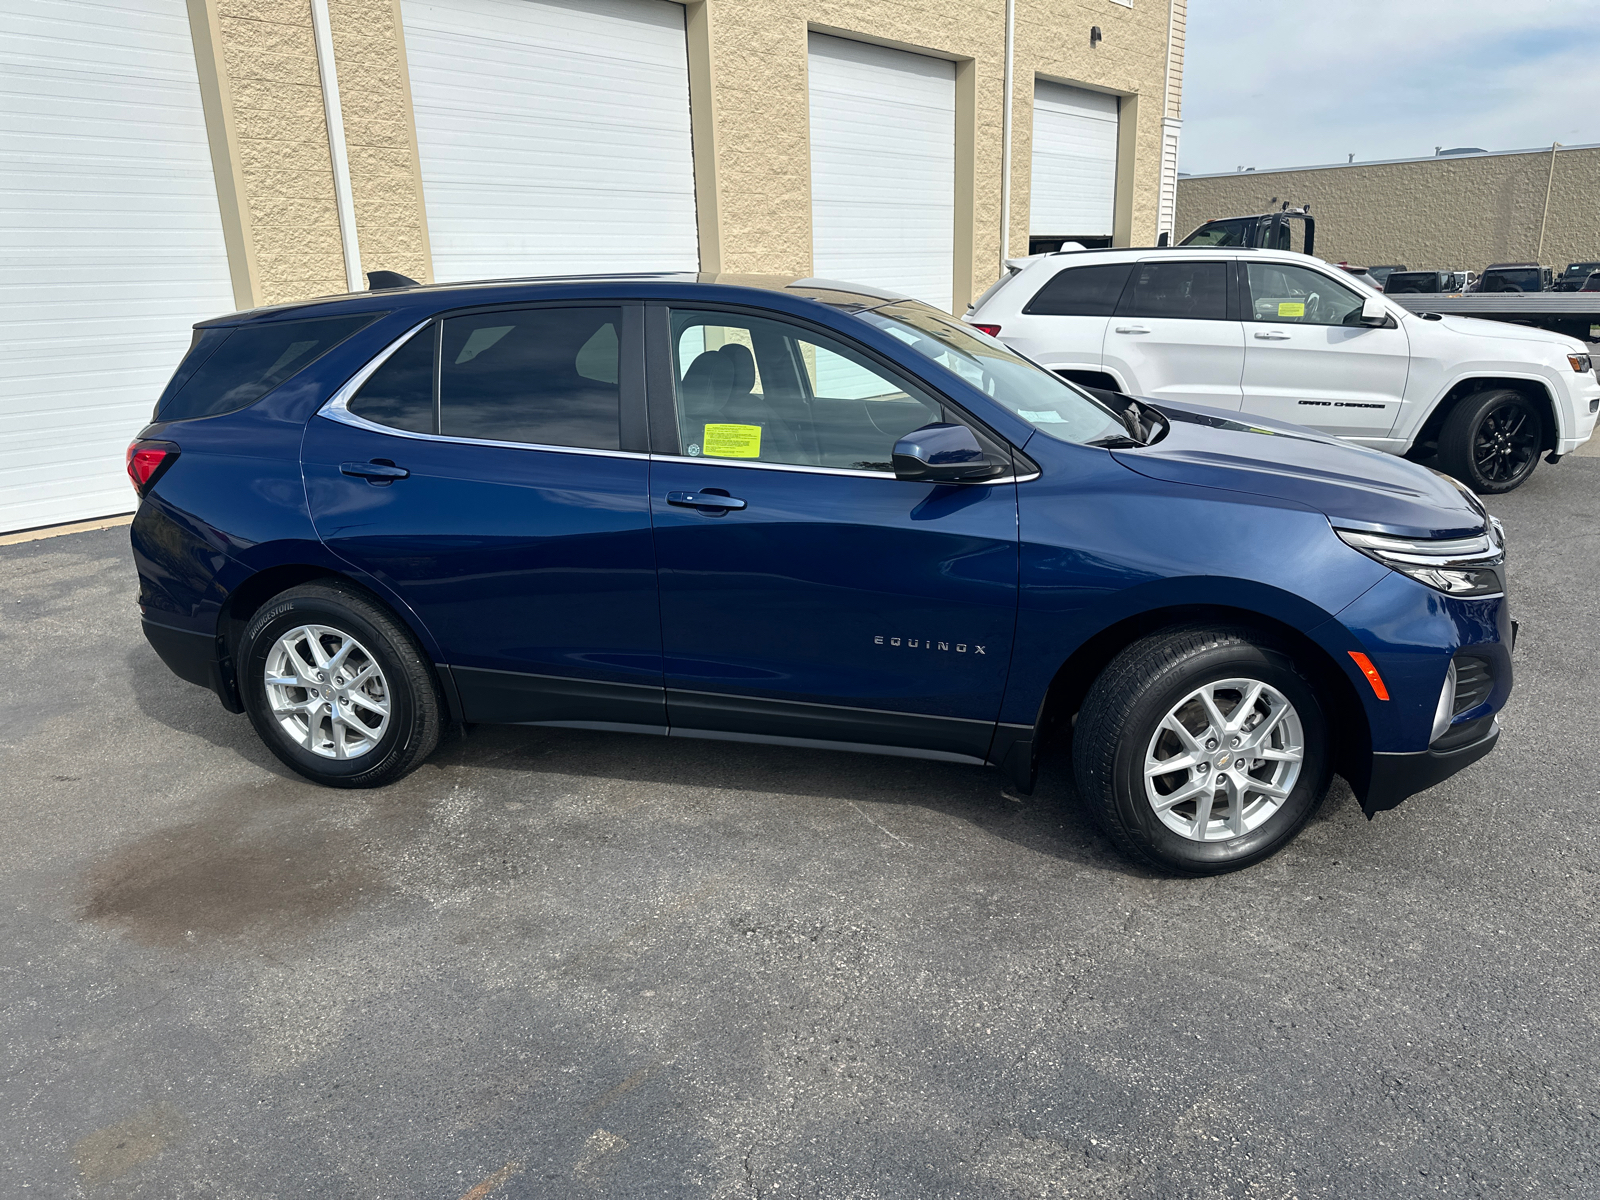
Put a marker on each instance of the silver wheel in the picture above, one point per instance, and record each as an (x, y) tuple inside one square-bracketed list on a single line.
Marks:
[(327, 692), (1224, 759)]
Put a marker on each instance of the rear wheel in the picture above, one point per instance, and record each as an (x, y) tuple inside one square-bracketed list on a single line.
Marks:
[(1491, 441), (337, 688), (1201, 749)]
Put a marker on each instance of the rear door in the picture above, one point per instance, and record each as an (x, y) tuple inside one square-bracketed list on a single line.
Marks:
[(492, 473), (1171, 338), (805, 591), (1064, 326), (1308, 358)]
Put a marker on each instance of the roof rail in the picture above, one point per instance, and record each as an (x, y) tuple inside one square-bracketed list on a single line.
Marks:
[(1193, 249)]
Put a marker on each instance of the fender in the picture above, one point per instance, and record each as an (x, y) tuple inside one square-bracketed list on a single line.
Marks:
[(1412, 421)]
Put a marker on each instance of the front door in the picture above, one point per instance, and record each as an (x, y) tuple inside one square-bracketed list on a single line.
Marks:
[(492, 473), (805, 591), (1309, 360), (1170, 337)]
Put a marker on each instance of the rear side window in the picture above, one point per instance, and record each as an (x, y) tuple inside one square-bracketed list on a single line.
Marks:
[(546, 376), (1196, 291), (1081, 292), (229, 369), (399, 394)]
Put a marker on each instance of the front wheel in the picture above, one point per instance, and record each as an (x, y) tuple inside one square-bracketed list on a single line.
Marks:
[(1491, 440), (337, 688), (1201, 749)]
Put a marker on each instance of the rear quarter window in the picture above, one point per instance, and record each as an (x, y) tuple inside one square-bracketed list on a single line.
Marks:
[(1081, 292), (228, 369)]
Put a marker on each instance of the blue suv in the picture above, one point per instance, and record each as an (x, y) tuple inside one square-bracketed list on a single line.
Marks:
[(801, 513)]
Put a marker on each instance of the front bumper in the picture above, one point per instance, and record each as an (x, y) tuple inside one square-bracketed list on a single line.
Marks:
[(1396, 776), (1586, 407)]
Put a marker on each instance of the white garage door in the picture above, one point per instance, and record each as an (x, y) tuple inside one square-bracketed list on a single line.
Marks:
[(883, 168), (1074, 162), (554, 135), (110, 243)]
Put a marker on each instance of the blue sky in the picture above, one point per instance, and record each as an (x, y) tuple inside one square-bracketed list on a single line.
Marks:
[(1285, 83)]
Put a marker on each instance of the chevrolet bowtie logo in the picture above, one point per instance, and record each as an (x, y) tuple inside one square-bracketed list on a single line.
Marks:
[(927, 644)]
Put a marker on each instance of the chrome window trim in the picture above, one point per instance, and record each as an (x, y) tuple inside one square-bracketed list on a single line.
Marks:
[(340, 401), (801, 468), (337, 408)]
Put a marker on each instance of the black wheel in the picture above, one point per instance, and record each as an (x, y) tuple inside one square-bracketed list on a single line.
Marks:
[(1491, 441), (1201, 749), (337, 688)]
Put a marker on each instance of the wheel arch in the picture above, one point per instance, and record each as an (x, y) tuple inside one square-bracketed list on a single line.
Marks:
[(1349, 733), (1537, 390), (247, 597)]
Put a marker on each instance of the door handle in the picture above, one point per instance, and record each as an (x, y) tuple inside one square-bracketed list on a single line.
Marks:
[(1273, 335), (385, 472), (703, 500), (1132, 329)]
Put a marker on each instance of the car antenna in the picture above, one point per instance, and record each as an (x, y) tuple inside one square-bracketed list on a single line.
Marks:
[(382, 281)]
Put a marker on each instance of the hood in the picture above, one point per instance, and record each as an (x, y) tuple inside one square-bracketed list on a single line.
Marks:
[(1354, 487), (1477, 327)]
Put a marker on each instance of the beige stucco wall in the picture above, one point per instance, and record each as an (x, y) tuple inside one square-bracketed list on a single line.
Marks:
[(270, 58), (380, 136), (749, 107), (1458, 213), (1052, 42)]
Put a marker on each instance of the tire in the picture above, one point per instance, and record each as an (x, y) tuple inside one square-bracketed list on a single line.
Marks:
[(362, 736), (1124, 718), (1491, 441)]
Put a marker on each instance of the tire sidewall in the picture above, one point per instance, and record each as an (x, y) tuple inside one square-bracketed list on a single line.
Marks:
[(277, 618), (1475, 416), (1147, 710)]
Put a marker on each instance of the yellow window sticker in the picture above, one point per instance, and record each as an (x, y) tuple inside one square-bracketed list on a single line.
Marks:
[(732, 441), (1291, 308)]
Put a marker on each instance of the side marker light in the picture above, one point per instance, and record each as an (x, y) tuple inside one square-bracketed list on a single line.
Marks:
[(1371, 672)]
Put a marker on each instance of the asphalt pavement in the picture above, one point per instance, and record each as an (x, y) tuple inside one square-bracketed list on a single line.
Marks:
[(561, 963)]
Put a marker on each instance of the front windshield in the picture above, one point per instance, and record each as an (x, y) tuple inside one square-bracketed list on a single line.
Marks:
[(1220, 233), (1046, 401)]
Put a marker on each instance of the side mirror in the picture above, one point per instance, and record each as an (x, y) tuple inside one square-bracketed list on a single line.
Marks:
[(1374, 313), (942, 453)]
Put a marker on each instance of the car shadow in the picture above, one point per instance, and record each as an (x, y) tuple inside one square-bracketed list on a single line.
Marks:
[(1053, 821), (188, 708)]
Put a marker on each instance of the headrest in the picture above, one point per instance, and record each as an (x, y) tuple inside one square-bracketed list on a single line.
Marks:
[(707, 380), (743, 365)]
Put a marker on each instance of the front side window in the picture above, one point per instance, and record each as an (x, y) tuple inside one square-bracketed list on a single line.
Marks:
[(1045, 400), (1195, 291), (1280, 292), (545, 376), (767, 391)]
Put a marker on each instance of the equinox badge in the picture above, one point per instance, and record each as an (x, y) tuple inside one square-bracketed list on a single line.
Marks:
[(925, 644)]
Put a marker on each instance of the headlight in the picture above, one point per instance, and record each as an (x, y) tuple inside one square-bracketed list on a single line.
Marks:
[(1471, 566), (1581, 362)]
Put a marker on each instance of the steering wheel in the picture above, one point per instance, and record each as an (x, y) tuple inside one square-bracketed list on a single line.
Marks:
[(1313, 306)]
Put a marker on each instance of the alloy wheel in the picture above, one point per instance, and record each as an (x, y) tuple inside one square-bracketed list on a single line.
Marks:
[(1506, 442), (1224, 759), (327, 692)]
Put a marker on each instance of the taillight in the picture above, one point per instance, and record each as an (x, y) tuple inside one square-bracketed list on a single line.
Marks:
[(148, 461), (991, 330)]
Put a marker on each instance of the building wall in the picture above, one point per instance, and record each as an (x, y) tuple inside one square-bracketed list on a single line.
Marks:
[(1458, 213), (749, 108)]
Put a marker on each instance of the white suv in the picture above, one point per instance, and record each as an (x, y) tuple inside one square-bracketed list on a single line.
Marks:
[(1284, 335)]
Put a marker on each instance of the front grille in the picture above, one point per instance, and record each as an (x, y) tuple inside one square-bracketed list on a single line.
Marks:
[(1474, 682)]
